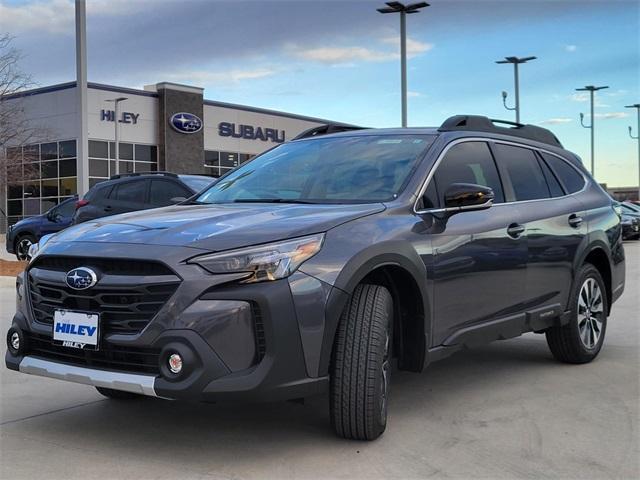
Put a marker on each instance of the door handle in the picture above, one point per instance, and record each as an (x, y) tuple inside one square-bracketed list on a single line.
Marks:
[(515, 230), (575, 220), (108, 208)]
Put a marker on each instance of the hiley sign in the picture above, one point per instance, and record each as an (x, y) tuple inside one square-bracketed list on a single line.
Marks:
[(249, 132), (125, 117)]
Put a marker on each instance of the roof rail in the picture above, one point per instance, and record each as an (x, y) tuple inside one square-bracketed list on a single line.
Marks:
[(479, 123), (326, 129), (137, 174)]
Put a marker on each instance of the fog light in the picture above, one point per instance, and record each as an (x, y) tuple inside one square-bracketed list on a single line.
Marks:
[(15, 341), (175, 363)]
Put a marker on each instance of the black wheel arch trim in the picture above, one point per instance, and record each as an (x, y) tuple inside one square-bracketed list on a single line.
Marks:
[(404, 256)]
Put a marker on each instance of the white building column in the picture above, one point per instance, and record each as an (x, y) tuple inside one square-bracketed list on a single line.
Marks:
[(81, 96)]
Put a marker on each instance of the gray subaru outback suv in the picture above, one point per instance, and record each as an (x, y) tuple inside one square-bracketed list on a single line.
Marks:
[(321, 263)]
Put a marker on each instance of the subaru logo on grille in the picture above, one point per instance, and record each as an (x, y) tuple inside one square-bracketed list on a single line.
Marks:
[(185, 122), (81, 278)]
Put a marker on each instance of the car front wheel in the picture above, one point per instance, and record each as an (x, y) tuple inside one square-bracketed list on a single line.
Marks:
[(361, 365), (22, 245)]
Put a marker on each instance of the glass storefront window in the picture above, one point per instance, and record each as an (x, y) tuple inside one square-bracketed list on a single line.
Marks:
[(98, 149), (68, 168), (49, 169), (68, 186), (126, 167), (126, 151), (67, 149), (31, 153), (49, 151), (47, 203), (145, 167), (31, 207), (146, 153), (14, 190), (98, 168), (50, 188), (14, 207), (228, 159)]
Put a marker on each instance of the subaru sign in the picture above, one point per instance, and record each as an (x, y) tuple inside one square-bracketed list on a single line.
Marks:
[(185, 122), (81, 278), (250, 132)]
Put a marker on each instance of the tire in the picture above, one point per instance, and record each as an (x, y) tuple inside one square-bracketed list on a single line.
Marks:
[(580, 340), (22, 244), (117, 394), (361, 365)]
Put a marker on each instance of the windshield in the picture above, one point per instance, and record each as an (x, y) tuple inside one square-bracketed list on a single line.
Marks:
[(356, 169), (196, 183)]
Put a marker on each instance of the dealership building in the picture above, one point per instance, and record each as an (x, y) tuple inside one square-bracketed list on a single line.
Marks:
[(165, 127)]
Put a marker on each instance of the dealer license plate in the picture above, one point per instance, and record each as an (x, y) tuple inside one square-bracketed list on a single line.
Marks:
[(76, 329)]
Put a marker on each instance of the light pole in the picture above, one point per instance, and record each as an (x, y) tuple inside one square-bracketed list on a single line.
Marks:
[(515, 61), (116, 102), (637, 137), (403, 10), (591, 89)]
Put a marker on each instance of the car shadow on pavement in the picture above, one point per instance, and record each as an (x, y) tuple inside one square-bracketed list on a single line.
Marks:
[(155, 427)]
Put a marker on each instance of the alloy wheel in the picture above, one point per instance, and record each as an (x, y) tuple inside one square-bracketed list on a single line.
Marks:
[(22, 249), (590, 313)]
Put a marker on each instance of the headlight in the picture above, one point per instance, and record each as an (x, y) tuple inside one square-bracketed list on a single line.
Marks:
[(264, 262), (37, 247)]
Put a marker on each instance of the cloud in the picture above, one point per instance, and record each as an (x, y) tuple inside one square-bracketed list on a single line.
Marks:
[(611, 115), (208, 77), (352, 54), (584, 97), (55, 16), (411, 94), (556, 121), (414, 47), (570, 48)]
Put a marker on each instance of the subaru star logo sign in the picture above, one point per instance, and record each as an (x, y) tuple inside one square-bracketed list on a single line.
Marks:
[(81, 278), (185, 122)]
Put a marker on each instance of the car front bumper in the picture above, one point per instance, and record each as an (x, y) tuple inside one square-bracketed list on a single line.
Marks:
[(210, 321)]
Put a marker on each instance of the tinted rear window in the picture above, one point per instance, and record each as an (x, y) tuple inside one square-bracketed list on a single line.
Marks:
[(569, 176)]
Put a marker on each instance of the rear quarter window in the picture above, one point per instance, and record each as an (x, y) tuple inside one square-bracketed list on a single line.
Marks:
[(568, 176)]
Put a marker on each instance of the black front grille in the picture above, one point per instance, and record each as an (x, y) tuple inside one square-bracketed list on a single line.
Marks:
[(111, 357), (124, 308), (110, 266)]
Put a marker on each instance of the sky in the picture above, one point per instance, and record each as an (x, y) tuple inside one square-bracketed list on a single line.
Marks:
[(340, 59)]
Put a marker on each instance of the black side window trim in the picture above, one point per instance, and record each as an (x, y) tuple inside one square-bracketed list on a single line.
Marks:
[(541, 160)]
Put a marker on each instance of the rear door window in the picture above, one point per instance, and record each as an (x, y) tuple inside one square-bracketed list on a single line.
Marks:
[(568, 176), (162, 191), (466, 162), (554, 185), (523, 172), (133, 192)]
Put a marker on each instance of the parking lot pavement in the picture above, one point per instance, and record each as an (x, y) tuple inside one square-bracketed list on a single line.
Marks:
[(507, 410)]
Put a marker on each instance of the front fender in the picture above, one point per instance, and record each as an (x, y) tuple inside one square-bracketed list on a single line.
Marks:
[(345, 280)]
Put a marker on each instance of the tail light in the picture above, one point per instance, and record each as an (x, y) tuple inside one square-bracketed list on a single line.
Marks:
[(81, 203)]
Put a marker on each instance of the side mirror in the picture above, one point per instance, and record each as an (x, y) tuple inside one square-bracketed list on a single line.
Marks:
[(467, 196), (51, 216), (176, 200)]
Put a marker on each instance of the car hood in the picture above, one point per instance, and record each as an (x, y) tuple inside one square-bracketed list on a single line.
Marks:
[(216, 227)]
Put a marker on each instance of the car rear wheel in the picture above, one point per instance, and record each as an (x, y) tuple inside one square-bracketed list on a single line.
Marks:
[(22, 245), (117, 394), (361, 365), (580, 340)]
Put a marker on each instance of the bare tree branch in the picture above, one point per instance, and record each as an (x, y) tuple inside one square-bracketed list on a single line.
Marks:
[(16, 130)]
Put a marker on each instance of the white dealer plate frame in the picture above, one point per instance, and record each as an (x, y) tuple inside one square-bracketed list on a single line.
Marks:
[(74, 317)]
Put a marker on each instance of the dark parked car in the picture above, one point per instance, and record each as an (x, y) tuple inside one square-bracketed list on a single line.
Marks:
[(21, 235), (320, 263), (137, 191), (630, 227)]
